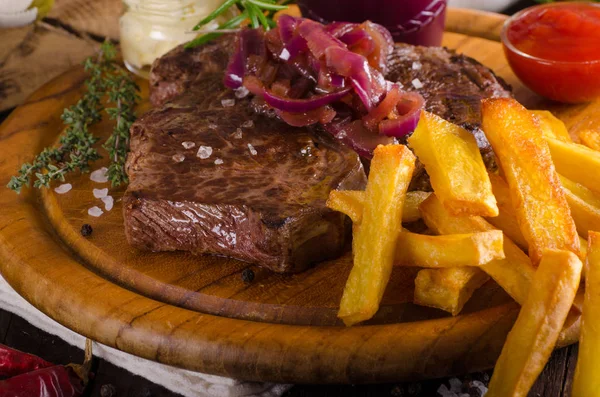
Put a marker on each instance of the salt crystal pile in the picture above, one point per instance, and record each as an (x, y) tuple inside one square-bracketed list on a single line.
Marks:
[(204, 152), (95, 211), (64, 188), (227, 103), (417, 84), (416, 65), (178, 158), (241, 92), (218, 161), (188, 144), (252, 150), (99, 193), (99, 176), (455, 385), (108, 202)]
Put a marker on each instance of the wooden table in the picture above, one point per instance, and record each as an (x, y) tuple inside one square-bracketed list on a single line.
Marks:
[(25, 64)]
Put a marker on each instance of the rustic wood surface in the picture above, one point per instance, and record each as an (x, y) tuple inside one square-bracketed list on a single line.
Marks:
[(110, 298), (555, 380), (33, 55)]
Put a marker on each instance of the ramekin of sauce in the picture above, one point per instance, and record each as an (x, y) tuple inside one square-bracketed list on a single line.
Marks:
[(555, 50), (419, 22)]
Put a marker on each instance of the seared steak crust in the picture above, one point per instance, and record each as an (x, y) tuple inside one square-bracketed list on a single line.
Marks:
[(260, 195)]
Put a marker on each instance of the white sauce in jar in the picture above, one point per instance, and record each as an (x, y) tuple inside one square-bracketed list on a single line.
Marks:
[(150, 28)]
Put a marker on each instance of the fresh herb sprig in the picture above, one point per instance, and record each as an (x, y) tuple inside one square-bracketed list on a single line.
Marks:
[(257, 12), (75, 150)]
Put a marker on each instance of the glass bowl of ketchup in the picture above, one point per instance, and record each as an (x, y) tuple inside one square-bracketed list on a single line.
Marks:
[(419, 22), (555, 50)]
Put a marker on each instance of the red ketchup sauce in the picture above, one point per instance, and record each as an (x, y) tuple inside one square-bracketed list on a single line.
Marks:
[(555, 50)]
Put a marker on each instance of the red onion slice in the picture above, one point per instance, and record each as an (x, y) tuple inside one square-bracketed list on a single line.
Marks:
[(317, 39), (409, 111), (356, 68), (355, 135), (303, 105)]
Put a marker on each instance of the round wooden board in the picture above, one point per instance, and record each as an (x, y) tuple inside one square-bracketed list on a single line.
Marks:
[(195, 312)]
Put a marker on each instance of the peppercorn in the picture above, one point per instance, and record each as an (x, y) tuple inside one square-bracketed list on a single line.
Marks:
[(86, 230), (248, 275)]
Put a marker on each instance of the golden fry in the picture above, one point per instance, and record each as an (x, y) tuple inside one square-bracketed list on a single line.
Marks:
[(447, 288), (590, 138), (506, 219), (514, 273), (452, 250), (551, 126), (455, 167), (374, 242), (350, 202), (576, 162), (585, 206), (537, 196), (534, 335), (586, 382)]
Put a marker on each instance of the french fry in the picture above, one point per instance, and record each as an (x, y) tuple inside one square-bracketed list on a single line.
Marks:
[(449, 288), (506, 219), (514, 273), (590, 138), (455, 167), (576, 162), (537, 196), (585, 206), (586, 382), (350, 202), (453, 250), (552, 126), (534, 334), (375, 238)]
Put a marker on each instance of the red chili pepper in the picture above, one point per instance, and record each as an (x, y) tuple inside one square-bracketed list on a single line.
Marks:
[(57, 381), (14, 362), (54, 381)]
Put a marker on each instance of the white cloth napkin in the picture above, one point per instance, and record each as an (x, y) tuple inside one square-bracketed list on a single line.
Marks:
[(187, 383)]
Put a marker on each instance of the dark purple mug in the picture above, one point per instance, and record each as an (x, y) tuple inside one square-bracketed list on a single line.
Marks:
[(419, 22)]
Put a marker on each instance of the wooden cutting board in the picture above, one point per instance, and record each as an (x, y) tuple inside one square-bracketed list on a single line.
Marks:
[(196, 312)]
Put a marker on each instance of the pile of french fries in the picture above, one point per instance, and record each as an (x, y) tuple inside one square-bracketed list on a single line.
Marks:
[(524, 226)]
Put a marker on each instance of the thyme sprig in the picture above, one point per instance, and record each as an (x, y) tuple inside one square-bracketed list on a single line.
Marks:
[(75, 150), (256, 12), (123, 93)]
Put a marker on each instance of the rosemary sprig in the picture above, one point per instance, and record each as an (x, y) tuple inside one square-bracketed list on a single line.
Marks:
[(76, 145), (257, 12)]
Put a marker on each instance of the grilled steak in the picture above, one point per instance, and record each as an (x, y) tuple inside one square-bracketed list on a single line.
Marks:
[(260, 195), (251, 188)]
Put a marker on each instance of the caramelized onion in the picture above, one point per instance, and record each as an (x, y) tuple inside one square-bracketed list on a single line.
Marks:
[(307, 73), (303, 105)]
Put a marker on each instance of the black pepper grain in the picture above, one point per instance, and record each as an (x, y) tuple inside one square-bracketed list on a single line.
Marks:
[(86, 230), (248, 275)]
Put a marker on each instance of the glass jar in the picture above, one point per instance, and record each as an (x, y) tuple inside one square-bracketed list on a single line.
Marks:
[(419, 22), (150, 28)]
